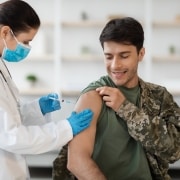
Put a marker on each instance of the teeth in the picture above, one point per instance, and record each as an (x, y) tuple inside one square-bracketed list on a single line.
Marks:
[(119, 72)]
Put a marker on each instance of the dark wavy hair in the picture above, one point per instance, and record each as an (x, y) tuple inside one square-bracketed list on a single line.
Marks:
[(125, 30)]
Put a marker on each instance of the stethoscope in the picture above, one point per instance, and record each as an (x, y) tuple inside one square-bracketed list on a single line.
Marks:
[(10, 86), (3, 76)]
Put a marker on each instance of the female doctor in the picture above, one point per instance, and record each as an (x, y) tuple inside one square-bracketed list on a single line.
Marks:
[(26, 129)]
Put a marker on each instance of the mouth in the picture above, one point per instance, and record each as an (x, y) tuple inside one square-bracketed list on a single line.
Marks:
[(119, 74)]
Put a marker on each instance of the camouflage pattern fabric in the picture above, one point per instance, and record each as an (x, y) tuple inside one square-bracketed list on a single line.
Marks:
[(60, 171), (156, 124)]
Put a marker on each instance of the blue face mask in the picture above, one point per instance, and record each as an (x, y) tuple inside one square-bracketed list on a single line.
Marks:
[(19, 53)]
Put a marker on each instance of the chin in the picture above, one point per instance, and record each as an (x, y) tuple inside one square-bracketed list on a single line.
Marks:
[(118, 83)]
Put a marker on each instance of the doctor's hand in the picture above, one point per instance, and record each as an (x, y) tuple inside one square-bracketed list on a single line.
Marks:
[(49, 103), (80, 121)]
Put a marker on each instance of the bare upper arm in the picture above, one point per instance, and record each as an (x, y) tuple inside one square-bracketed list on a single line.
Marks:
[(83, 143)]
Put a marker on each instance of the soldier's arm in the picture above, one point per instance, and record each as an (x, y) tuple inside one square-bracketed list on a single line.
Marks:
[(159, 134), (81, 147)]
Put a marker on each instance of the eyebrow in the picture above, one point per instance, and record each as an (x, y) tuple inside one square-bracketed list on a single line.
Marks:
[(123, 52)]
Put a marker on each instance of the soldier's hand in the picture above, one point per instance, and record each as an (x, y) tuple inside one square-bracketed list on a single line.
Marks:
[(113, 97)]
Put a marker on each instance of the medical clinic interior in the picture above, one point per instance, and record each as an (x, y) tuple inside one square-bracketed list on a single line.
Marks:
[(66, 55)]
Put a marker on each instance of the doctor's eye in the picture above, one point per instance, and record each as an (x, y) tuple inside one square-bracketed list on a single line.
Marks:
[(26, 43)]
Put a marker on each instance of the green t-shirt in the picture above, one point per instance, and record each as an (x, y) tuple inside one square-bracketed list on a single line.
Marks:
[(117, 154)]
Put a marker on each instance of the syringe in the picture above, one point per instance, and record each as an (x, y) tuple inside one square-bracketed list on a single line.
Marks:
[(62, 100)]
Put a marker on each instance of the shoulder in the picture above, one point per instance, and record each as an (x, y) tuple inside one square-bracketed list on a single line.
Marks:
[(155, 92), (152, 87), (91, 100), (102, 81)]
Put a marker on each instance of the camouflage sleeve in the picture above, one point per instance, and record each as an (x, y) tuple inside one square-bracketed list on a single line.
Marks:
[(157, 130), (59, 169)]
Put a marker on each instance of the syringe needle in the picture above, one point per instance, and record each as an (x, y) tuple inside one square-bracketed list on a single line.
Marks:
[(62, 100)]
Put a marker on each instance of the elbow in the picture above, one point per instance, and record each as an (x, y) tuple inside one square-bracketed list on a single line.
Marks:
[(71, 166), (75, 164)]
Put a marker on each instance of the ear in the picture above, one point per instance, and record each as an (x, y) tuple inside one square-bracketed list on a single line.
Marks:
[(141, 53), (4, 31)]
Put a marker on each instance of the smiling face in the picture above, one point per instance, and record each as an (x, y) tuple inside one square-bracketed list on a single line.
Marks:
[(122, 63)]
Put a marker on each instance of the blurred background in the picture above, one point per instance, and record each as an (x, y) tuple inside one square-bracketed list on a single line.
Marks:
[(66, 54)]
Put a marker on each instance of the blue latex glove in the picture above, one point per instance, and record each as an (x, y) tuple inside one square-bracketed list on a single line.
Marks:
[(49, 105), (80, 121)]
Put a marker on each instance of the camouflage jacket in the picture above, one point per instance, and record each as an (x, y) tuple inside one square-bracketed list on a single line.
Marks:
[(156, 124)]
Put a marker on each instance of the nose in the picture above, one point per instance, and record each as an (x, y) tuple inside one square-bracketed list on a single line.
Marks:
[(116, 63)]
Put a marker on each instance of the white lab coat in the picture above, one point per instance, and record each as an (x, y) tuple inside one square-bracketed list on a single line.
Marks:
[(18, 134)]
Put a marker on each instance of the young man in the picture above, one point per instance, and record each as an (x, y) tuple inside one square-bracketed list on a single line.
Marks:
[(135, 132)]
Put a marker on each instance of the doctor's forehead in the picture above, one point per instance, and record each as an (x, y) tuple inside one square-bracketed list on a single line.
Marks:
[(28, 36)]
